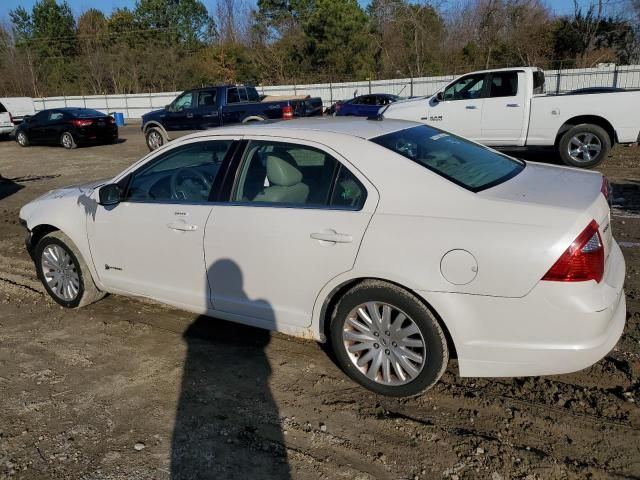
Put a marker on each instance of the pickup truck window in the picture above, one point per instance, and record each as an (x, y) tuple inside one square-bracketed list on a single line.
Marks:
[(233, 96), (464, 163), (183, 102), (466, 88), (504, 84), (253, 95), (207, 98), (538, 82)]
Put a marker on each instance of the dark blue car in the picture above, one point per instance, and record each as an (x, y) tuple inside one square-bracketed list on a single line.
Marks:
[(364, 105)]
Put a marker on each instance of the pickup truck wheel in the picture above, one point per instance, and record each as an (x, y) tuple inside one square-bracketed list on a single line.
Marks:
[(155, 138), (584, 146)]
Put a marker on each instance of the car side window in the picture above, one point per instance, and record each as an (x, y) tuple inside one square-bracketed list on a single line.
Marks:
[(291, 174), (253, 94), (466, 88), (184, 102), (55, 116), (207, 98), (183, 174), (2, 109), (504, 84), (233, 96), (348, 192)]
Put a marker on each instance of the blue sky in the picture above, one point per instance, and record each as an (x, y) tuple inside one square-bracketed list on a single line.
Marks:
[(79, 6)]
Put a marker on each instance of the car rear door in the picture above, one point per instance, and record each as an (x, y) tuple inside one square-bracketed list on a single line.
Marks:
[(297, 215), (504, 109)]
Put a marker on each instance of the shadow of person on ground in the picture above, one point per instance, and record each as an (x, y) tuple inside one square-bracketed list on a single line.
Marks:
[(8, 187), (227, 423)]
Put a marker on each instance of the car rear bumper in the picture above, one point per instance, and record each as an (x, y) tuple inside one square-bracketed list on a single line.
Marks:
[(5, 129), (557, 328)]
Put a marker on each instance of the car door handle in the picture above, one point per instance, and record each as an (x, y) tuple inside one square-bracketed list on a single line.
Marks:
[(513, 105), (189, 115), (470, 107), (332, 236), (182, 226)]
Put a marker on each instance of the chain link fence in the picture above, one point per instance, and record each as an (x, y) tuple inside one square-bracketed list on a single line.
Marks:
[(559, 81)]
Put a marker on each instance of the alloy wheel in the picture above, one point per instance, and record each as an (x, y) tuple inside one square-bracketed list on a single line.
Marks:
[(584, 147), (60, 272), (67, 140), (384, 343), (155, 139)]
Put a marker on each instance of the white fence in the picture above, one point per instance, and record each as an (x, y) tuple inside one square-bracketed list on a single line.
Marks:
[(557, 81)]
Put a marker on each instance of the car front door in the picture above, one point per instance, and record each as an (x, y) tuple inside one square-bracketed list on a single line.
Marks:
[(36, 127), (150, 243), (297, 215), (504, 109), (460, 111), (180, 112), (206, 114)]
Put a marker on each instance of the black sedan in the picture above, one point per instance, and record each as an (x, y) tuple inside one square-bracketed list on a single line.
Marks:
[(68, 127)]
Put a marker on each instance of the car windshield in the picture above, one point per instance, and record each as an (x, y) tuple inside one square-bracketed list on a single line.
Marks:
[(471, 166), (87, 113)]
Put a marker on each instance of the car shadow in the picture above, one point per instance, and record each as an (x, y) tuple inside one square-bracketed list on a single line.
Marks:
[(8, 187), (542, 155), (227, 422)]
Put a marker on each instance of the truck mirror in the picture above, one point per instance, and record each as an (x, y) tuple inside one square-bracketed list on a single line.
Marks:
[(440, 96)]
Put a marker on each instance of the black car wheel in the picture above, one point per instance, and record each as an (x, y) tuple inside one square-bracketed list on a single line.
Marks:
[(67, 141), (22, 139)]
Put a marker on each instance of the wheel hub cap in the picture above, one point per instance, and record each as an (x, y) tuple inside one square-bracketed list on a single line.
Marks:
[(584, 147), (60, 273), (384, 343)]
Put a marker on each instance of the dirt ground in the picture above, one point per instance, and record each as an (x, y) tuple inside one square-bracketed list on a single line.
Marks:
[(127, 389)]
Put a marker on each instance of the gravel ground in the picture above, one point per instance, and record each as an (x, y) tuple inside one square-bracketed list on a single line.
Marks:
[(128, 389)]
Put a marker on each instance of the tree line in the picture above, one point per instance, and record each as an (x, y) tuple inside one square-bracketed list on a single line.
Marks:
[(168, 45)]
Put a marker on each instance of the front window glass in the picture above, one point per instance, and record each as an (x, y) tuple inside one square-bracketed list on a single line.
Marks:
[(274, 172), (466, 88), (469, 165), (183, 102), (184, 174)]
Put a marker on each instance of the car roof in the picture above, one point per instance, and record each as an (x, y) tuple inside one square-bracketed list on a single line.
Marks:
[(351, 126)]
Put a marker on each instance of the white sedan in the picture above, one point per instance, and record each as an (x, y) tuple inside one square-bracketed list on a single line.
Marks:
[(396, 242)]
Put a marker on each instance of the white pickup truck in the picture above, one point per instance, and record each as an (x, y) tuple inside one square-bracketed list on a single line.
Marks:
[(6, 122), (508, 108)]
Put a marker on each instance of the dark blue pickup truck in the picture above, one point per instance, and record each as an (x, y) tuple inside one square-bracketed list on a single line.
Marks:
[(219, 105)]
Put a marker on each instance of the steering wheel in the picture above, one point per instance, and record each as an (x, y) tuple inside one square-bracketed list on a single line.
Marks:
[(178, 191)]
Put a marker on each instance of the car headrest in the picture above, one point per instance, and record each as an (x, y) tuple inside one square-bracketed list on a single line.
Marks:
[(281, 170)]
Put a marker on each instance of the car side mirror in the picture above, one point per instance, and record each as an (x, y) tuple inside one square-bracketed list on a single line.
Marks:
[(440, 96), (110, 194)]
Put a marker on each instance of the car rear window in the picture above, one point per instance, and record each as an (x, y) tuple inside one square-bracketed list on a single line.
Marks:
[(86, 113), (467, 164)]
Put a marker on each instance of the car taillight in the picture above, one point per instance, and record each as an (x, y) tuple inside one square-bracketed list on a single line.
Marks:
[(81, 123), (287, 112), (582, 261), (605, 189)]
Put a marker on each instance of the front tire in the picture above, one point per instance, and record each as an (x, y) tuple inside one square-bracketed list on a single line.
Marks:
[(155, 139), (22, 139), (387, 340), (584, 146), (67, 141), (63, 272)]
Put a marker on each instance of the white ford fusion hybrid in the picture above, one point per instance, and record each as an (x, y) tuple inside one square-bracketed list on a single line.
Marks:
[(398, 243)]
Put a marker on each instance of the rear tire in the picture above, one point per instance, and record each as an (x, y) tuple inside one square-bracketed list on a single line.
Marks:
[(67, 141), (59, 264), (403, 355), (22, 139), (584, 146)]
